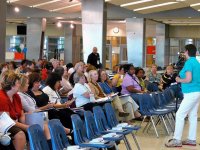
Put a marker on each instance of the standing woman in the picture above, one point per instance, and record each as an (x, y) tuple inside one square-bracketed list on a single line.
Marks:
[(190, 83)]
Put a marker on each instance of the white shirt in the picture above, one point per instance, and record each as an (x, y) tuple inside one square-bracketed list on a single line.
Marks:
[(28, 103), (78, 91), (66, 84), (54, 97)]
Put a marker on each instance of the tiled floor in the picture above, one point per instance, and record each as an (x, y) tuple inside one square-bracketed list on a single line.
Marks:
[(150, 142)]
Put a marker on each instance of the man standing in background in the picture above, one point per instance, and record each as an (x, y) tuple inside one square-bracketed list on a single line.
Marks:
[(94, 58)]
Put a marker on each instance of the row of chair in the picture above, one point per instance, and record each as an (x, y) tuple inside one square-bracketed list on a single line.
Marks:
[(159, 106), (92, 127)]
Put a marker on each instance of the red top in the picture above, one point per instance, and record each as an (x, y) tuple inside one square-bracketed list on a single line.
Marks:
[(14, 108)]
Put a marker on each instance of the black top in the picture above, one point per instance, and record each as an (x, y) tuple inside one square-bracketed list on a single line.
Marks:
[(71, 79), (41, 100), (168, 79), (94, 60)]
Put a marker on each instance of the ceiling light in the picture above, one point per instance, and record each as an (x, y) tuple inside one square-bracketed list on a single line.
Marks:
[(72, 26), (45, 3), (180, 0), (153, 6), (196, 4), (189, 17), (16, 9), (107, 0), (66, 7), (134, 3), (12, 1), (59, 25)]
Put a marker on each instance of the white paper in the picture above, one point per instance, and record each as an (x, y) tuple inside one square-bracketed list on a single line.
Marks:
[(5, 122)]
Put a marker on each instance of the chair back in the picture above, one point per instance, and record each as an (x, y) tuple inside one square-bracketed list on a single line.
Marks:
[(152, 87), (110, 115), (100, 119), (145, 104), (58, 136), (168, 95), (80, 135), (37, 139), (91, 128)]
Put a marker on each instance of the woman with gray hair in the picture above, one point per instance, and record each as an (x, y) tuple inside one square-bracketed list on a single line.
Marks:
[(82, 92), (79, 68)]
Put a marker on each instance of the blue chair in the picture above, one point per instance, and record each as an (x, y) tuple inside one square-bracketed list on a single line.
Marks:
[(148, 108), (152, 87), (80, 136), (92, 131), (58, 136), (37, 139), (113, 122), (102, 125)]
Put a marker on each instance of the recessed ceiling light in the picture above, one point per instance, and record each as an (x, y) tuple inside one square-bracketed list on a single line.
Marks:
[(45, 3), (154, 6), (59, 24), (196, 4), (16, 9), (72, 26), (134, 3), (66, 7)]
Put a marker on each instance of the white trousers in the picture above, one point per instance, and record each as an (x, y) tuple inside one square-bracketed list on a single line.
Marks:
[(189, 106)]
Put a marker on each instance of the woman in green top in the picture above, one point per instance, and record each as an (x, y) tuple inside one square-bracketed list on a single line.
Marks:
[(190, 83)]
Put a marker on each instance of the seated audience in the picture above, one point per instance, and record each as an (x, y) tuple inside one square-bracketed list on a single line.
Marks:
[(130, 85), (153, 76), (139, 72), (168, 77), (10, 102), (128, 103), (98, 93), (22, 67), (118, 78), (79, 68), (51, 89)]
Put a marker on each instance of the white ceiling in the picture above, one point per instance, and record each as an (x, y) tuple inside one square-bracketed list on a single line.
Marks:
[(174, 12)]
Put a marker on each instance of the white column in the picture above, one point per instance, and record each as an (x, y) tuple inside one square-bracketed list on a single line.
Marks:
[(92, 27), (161, 45), (35, 28), (135, 31)]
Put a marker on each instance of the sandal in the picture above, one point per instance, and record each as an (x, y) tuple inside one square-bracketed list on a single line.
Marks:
[(173, 143), (189, 142)]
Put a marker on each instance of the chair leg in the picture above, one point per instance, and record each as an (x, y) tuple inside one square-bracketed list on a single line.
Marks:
[(136, 142), (127, 143), (156, 123), (116, 147), (171, 126), (154, 126), (165, 124)]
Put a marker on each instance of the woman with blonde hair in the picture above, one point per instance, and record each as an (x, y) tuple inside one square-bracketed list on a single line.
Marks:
[(98, 93)]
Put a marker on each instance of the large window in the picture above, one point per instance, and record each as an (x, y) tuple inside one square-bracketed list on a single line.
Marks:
[(53, 47), (15, 41)]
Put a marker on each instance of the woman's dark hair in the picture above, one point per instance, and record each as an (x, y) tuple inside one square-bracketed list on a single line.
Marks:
[(59, 70), (138, 69), (52, 79), (13, 64), (33, 77), (23, 62), (121, 67), (127, 67), (69, 65), (191, 50)]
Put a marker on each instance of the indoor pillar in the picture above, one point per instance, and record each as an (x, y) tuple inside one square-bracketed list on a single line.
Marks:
[(92, 28), (135, 31)]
